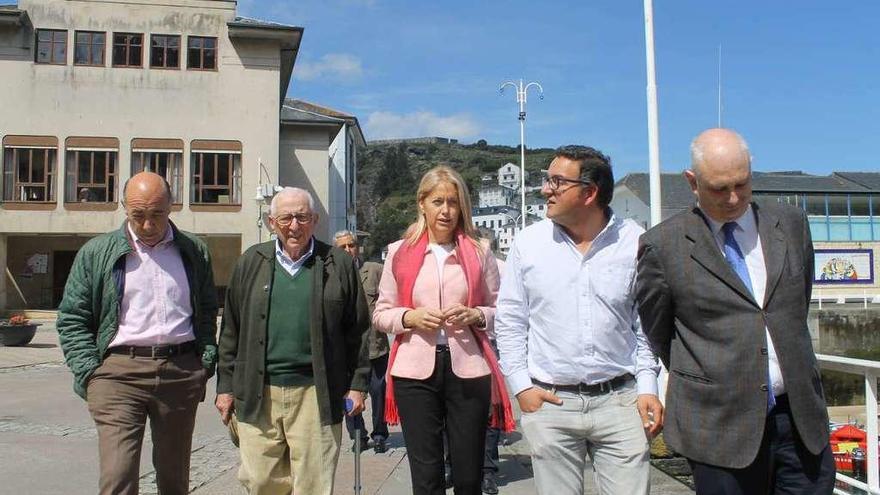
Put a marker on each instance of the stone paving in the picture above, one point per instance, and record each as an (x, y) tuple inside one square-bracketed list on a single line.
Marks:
[(48, 442)]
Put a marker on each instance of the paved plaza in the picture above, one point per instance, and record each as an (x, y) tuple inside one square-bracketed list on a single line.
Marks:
[(48, 443)]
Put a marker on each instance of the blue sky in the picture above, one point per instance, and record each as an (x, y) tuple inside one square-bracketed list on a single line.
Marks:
[(801, 80)]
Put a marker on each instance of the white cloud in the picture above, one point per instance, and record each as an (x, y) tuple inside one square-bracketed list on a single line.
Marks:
[(388, 125), (333, 66)]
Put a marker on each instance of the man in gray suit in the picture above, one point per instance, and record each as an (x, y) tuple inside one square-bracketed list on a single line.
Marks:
[(723, 292)]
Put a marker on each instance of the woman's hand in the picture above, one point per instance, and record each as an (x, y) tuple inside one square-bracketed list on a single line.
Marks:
[(461, 316), (423, 319)]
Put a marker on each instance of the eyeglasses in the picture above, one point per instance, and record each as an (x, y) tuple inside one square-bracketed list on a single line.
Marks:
[(554, 181), (287, 219)]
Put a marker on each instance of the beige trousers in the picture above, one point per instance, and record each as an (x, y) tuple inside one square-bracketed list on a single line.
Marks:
[(287, 449)]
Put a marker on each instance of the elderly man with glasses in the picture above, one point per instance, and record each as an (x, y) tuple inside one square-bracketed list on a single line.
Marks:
[(569, 335), (291, 352)]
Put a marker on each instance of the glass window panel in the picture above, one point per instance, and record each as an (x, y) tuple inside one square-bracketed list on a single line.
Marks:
[(838, 229), (134, 55), (43, 35), (59, 36), (195, 42), (162, 164), (44, 49), (208, 176), (98, 54), (210, 43), (837, 205), (858, 205), (876, 223), (875, 205), (98, 38), (223, 170), (172, 58), (135, 39), (818, 229), (815, 204), (38, 166), (100, 166), (157, 56), (23, 165), (81, 54), (84, 166), (119, 52), (58, 50), (81, 37), (194, 58), (210, 59), (861, 230), (174, 41)]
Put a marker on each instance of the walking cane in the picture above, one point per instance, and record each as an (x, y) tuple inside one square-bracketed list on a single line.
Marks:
[(349, 405)]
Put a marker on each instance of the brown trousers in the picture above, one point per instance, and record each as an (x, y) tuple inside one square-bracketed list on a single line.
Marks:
[(122, 393)]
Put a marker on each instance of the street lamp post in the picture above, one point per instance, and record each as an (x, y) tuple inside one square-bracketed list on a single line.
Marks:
[(521, 93)]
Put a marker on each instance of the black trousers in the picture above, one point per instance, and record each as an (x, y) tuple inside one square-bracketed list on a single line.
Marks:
[(377, 404), (783, 465), (461, 405)]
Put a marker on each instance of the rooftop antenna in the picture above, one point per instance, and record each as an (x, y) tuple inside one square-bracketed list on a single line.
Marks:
[(719, 85)]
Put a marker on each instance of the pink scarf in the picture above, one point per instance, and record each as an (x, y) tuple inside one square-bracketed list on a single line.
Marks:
[(407, 263)]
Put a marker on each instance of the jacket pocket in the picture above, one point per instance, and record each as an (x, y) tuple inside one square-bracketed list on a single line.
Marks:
[(692, 377)]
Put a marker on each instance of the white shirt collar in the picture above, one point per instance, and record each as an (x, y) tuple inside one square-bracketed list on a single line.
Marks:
[(746, 222), (282, 256), (169, 236)]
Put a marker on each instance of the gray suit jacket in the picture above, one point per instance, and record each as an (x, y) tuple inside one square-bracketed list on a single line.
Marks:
[(708, 330)]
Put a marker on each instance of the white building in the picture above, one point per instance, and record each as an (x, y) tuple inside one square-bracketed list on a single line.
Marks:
[(509, 176), (95, 91), (536, 207), (496, 195)]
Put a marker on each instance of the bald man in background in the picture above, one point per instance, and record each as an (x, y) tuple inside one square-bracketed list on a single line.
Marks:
[(137, 326), (723, 292)]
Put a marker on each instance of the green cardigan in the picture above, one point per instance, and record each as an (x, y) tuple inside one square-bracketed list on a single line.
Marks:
[(338, 330), (88, 317)]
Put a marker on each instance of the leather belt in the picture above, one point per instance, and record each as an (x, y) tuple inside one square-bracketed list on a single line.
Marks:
[(442, 348), (588, 389), (155, 351)]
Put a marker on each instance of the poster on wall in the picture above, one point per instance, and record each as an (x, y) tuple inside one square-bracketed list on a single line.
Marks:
[(844, 266)]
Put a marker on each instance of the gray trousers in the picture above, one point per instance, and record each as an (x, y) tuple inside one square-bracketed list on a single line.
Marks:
[(606, 427)]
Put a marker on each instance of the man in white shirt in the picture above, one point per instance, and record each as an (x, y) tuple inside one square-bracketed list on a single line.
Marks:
[(571, 344)]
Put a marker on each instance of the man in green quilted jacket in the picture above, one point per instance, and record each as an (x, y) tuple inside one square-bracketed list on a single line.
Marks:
[(137, 326)]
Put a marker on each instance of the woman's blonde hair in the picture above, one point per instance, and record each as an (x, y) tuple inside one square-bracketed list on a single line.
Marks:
[(431, 180)]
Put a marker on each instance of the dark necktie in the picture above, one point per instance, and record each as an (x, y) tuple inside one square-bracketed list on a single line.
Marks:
[(734, 256)]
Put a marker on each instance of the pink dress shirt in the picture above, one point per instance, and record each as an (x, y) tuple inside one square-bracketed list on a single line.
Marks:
[(156, 306), (417, 352)]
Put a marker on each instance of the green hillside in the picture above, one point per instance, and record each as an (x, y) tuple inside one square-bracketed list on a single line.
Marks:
[(388, 176)]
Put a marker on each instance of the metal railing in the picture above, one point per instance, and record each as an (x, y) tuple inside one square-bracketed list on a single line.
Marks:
[(870, 370)]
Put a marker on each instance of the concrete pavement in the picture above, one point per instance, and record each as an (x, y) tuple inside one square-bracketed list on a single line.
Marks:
[(48, 443)]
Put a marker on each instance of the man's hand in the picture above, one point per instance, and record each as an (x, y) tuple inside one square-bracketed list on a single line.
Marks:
[(357, 402), (423, 319), (531, 399), (651, 411), (225, 403)]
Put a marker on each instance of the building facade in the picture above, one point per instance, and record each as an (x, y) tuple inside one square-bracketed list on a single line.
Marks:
[(96, 91)]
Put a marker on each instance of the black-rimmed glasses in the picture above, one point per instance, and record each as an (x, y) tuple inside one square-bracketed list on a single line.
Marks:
[(554, 181)]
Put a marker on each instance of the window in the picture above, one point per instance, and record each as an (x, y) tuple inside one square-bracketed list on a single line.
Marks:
[(92, 172), (52, 46), (201, 53), (161, 156), (216, 172), (29, 165), (164, 51), (838, 205), (88, 48), (127, 49)]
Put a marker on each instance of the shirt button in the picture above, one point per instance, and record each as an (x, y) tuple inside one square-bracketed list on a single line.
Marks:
[(764, 387), (763, 351)]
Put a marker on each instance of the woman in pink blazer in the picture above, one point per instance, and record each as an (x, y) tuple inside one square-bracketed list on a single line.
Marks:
[(437, 296)]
